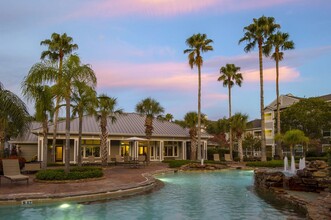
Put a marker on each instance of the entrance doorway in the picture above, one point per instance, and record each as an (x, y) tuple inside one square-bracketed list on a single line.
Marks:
[(58, 154)]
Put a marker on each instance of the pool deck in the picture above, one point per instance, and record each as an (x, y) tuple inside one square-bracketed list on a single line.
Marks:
[(117, 181)]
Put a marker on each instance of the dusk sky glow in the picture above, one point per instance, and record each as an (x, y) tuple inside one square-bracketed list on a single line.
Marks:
[(136, 48)]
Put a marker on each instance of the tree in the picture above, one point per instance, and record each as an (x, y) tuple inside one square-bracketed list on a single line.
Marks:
[(190, 122), (251, 143), (230, 77), (238, 126), (73, 71), (84, 100), (59, 46), (43, 102), (310, 115), (257, 34), (106, 110), (151, 108), (14, 116), (198, 43), (294, 137), (280, 42)]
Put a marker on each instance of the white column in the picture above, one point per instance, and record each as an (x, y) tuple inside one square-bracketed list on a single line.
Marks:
[(205, 150), (183, 150), (109, 146), (136, 148), (161, 150)]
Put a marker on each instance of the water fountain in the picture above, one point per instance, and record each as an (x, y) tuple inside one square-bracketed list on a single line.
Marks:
[(302, 164), (285, 164)]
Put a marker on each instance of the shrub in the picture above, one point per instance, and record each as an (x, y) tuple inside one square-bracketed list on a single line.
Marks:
[(272, 163), (75, 173), (177, 163)]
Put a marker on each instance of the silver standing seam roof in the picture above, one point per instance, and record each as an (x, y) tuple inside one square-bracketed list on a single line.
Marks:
[(128, 125)]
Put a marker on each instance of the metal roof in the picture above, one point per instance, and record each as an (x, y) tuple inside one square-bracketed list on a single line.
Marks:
[(28, 136), (128, 124)]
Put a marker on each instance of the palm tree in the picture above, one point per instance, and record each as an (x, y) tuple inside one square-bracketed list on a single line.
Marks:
[(169, 117), (293, 137), (73, 71), (14, 116), (230, 77), (198, 43), (256, 34), (190, 122), (280, 41), (58, 47), (106, 109), (238, 126), (84, 100), (151, 108), (43, 97)]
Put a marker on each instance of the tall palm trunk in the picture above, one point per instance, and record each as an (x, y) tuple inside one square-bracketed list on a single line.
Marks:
[(230, 114), (148, 131), (193, 134), (2, 138), (263, 140), (67, 146), (199, 114), (45, 131), (103, 143), (279, 147), (56, 116), (79, 150)]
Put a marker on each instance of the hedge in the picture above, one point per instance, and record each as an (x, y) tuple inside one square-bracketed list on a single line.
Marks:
[(272, 163), (75, 173)]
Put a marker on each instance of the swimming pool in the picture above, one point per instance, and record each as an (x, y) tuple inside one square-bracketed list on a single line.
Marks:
[(192, 195)]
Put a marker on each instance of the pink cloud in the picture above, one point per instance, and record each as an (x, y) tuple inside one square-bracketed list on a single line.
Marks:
[(156, 76), (166, 8), (286, 74)]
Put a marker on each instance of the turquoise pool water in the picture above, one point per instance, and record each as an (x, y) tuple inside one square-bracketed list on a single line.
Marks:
[(196, 195)]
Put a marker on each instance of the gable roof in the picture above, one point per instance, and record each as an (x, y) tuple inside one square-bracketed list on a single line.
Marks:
[(128, 124), (285, 101)]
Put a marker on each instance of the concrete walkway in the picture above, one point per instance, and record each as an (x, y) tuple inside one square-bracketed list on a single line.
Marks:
[(117, 181)]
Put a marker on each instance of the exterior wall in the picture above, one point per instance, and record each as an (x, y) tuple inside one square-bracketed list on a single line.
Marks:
[(28, 151)]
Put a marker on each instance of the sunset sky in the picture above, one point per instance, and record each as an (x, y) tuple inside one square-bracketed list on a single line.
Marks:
[(136, 48)]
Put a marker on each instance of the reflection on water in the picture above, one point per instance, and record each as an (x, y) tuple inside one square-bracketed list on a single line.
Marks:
[(196, 195)]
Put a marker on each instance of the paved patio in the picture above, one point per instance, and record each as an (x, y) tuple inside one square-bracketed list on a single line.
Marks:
[(116, 179)]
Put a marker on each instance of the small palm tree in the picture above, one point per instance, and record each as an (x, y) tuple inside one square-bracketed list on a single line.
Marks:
[(59, 46), (190, 122), (106, 110), (294, 137), (198, 43), (43, 97), (14, 116), (280, 42), (256, 34), (151, 108), (230, 77), (84, 100), (238, 126)]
